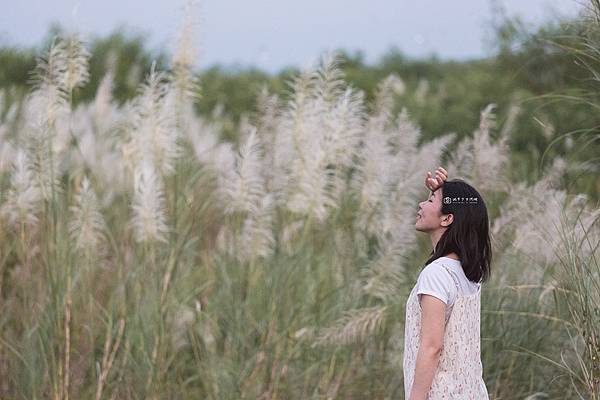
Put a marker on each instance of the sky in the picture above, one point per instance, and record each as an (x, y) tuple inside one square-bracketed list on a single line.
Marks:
[(273, 34)]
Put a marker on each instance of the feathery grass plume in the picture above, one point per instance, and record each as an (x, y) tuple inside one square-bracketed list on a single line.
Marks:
[(533, 217), (578, 279), (310, 196), (186, 85), (153, 131), (148, 205), (385, 92), (22, 200), (343, 123), (479, 160), (386, 274), (268, 113), (243, 187), (103, 108), (44, 111), (268, 120), (328, 80), (353, 327), (257, 239), (342, 130), (49, 100), (371, 181), (541, 235), (205, 142), (87, 224), (322, 118), (388, 179), (404, 179), (77, 57), (42, 155), (97, 147), (289, 139)]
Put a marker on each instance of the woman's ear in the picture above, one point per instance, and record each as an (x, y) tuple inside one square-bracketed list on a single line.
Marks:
[(447, 220)]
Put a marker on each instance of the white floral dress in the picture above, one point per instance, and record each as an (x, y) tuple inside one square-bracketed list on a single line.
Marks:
[(459, 375)]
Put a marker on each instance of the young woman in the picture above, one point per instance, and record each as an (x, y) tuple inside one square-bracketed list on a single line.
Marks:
[(442, 333)]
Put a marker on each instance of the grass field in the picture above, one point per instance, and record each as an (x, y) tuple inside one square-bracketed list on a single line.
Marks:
[(142, 256)]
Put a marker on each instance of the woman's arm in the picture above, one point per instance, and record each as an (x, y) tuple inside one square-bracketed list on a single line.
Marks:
[(430, 348)]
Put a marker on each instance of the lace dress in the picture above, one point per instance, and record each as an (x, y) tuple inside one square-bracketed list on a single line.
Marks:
[(459, 375)]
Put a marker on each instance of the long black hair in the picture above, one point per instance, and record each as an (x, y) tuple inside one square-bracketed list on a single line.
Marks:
[(468, 234)]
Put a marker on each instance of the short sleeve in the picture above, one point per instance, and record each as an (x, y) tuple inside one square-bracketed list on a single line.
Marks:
[(434, 280)]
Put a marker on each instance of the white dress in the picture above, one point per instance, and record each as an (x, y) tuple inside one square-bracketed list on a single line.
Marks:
[(459, 375)]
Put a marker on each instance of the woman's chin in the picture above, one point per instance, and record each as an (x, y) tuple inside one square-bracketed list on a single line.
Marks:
[(419, 227)]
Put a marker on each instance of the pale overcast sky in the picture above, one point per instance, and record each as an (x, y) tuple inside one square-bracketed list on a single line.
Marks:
[(271, 34)]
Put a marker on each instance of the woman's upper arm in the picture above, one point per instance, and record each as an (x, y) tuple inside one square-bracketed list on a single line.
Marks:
[(433, 312)]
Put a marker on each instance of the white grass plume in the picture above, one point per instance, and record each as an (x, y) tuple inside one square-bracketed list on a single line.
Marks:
[(385, 275), (49, 99), (354, 326), (149, 218), (42, 155), (205, 142), (268, 123), (481, 161), (257, 239), (103, 109), (328, 82), (153, 130), (23, 196), (319, 134), (385, 93), (186, 85), (373, 179), (243, 188), (76, 64), (87, 225), (535, 219)]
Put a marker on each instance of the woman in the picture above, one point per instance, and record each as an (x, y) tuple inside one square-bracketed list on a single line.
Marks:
[(442, 333)]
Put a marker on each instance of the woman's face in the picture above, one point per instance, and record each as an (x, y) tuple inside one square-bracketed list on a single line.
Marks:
[(429, 214)]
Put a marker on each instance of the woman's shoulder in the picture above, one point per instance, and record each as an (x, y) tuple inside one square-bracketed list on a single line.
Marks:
[(438, 273), (435, 276), (447, 274), (437, 270)]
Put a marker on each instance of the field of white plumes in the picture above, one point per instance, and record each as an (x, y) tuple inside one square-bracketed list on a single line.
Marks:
[(142, 256)]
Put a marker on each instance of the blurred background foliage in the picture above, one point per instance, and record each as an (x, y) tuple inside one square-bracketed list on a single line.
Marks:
[(548, 73)]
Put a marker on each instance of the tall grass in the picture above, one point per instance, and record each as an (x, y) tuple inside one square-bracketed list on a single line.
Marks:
[(143, 257)]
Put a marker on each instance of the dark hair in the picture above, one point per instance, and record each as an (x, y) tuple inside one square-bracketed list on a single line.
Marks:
[(468, 234)]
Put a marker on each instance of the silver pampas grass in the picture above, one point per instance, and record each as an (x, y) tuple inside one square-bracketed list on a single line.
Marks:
[(149, 218), (243, 188), (24, 195), (153, 132), (87, 226), (479, 159)]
